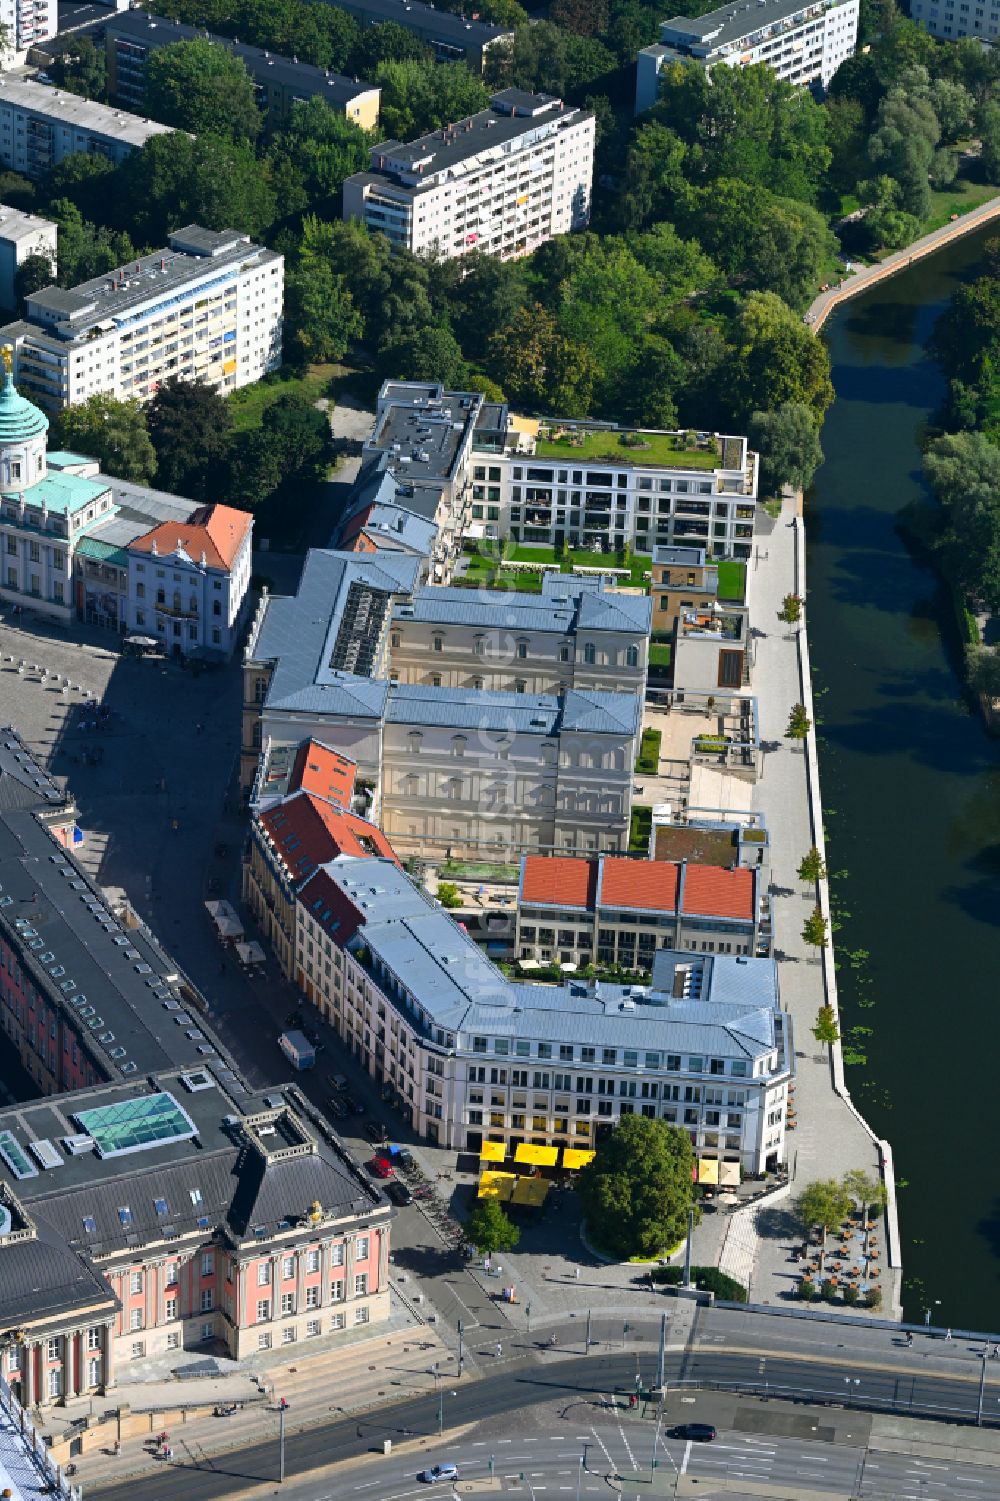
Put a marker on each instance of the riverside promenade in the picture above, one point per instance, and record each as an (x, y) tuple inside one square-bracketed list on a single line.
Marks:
[(830, 1137)]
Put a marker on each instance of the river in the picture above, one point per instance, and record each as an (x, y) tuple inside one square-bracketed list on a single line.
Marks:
[(911, 785)]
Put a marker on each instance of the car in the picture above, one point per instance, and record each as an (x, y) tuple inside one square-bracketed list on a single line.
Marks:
[(399, 1193), (351, 1105), (381, 1167), (336, 1081), (439, 1472), (375, 1132), (698, 1433), (335, 1108)]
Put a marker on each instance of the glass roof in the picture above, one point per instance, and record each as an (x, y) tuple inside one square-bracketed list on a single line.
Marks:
[(134, 1125)]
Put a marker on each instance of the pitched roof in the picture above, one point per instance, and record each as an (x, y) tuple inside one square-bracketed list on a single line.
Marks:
[(644, 885), (319, 769), (714, 892), (217, 531), (558, 881), (308, 832)]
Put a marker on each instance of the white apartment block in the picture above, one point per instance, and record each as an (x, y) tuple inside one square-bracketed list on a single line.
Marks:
[(208, 307), (472, 1056), (28, 22), (500, 182), (22, 235), (40, 126), (952, 19), (804, 43)]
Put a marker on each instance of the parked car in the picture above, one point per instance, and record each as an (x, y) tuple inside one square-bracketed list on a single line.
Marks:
[(351, 1105), (399, 1193), (439, 1472), (698, 1433), (380, 1167), (336, 1081), (335, 1108), (375, 1132)]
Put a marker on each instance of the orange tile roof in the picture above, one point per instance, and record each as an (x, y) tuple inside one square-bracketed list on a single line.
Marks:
[(712, 892), (217, 531), (559, 880), (307, 831), (323, 771), (651, 885)]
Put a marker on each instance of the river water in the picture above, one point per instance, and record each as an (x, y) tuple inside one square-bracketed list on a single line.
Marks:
[(911, 785)]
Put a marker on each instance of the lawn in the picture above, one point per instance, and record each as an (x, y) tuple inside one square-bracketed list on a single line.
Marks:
[(249, 404), (648, 760), (582, 558), (660, 653), (732, 580), (640, 828), (965, 195), (667, 449)]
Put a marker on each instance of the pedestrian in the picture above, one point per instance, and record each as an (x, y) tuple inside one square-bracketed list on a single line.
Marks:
[(499, 1349), (947, 1334)]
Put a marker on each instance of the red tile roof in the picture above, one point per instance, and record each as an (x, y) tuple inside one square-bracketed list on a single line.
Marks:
[(307, 831), (323, 771), (559, 881), (712, 892), (649, 885), (217, 531)]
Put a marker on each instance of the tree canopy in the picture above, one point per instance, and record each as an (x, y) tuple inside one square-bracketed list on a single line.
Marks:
[(637, 1191), (489, 1229), (201, 87), (114, 432), (190, 427)]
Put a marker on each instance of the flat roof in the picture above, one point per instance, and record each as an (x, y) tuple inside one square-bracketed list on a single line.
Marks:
[(262, 64), (192, 255), (83, 114), (414, 15), (423, 440), (728, 23), (16, 225)]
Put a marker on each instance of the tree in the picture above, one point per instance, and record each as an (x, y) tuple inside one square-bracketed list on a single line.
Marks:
[(903, 143), (637, 1191), (385, 42), (431, 354), (538, 366), (799, 723), (982, 666), (791, 609), (868, 1192), (316, 151), (988, 128), (814, 931), (190, 426), (585, 17), (489, 1229), (812, 867), (290, 449), (85, 179), (113, 432), (448, 894), (789, 446), (212, 180), (964, 472), (824, 1203), (34, 272), (419, 96), (85, 251), (545, 59), (776, 360), (320, 311), (201, 87), (825, 1028)]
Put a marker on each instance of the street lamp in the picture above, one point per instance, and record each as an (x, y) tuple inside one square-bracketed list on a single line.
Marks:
[(927, 1313), (850, 1381), (441, 1409), (282, 1407)]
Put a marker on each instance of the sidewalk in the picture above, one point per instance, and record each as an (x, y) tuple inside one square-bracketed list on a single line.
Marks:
[(829, 1139)]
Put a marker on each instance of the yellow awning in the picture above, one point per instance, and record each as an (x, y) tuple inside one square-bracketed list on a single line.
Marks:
[(708, 1170), (492, 1151), (540, 1156), (530, 1191), (496, 1186), (574, 1157), (729, 1174)]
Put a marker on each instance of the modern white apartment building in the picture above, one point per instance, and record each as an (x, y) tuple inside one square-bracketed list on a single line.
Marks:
[(500, 182), (22, 235), (952, 19), (28, 22), (803, 41), (473, 1056), (207, 307), (39, 126)]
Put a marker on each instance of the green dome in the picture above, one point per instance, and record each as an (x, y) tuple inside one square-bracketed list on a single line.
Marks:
[(19, 419)]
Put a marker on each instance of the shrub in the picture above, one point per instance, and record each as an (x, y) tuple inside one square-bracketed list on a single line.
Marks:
[(708, 1278), (807, 1290), (827, 1291), (851, 1296), (873, 1297)]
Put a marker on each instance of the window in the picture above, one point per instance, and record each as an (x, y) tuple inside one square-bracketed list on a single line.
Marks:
[(53, 1348), (170, 1308), (93, 1339), (338, 1321), (263, 1342), (263, 1310), (589, 653), (264, 1274), (172, 1274), (207, 1300), (364, 1247), (312, 1297), (313, 1327), (135, 1282), (287, 1268), (135, 1319), (337, 1291), (362, 1315), (287, 1303), (361, 1285), (138, 1349), (337, 1255), (207, 1263)]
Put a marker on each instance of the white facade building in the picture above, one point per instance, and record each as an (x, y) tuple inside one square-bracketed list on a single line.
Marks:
[(39, 126), (22, 235), (189, 582), (804, 43), (500, 182), (952, 19), (208, 307), (28, 22), (475, 1057)]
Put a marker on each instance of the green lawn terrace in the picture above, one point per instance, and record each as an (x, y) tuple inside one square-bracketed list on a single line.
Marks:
[(485, 569), (574, 440)]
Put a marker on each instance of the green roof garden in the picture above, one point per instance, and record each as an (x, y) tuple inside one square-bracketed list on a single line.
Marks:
[(627, 446), (62, 494)]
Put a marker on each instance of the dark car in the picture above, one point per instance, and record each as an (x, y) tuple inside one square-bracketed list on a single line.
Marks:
[(698, 1433), (375, 1132), (335, 1108), (351, 1105), (399, 1193)]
